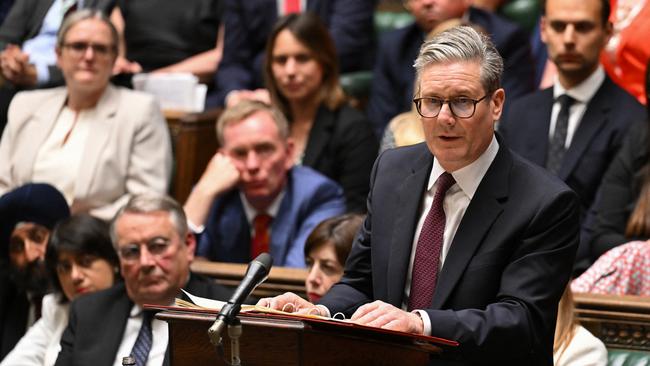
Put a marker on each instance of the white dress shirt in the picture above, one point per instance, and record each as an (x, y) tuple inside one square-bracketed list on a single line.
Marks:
[(582, 94), (160, 334)]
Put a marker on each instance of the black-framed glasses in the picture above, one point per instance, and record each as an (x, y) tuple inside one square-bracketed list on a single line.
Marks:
[(155, 247), (461, 107), (79, 48)]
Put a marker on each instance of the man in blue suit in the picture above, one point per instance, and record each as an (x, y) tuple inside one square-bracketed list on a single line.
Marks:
[(393, 74), (249, 23), (598, 114), (251, 199)]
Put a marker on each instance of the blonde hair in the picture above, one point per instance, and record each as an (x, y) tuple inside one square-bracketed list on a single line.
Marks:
[(566, 325)]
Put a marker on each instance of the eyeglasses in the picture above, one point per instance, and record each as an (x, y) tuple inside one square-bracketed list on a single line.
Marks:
[(155, 247), (460, 107), (79, 48)]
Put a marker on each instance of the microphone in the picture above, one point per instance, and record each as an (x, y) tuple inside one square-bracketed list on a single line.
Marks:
[(257, 272)]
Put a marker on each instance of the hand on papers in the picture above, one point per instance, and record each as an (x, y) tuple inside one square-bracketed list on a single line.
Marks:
[(290, 303), (382, 315)]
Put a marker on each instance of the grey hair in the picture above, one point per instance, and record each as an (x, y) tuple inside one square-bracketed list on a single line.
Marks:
[(81, 15), (463, 43), (246, 108), (148, 203)]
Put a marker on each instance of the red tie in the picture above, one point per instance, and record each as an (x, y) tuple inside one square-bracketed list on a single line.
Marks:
[(261, 236), (291, 6), (427, 253)]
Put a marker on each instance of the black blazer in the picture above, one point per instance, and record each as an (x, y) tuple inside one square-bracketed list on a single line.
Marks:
[(342, 146), (599, 136), (507, 267), (97, 322)]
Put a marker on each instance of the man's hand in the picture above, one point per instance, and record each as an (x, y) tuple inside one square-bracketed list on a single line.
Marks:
[(220, 175), (124, 66), (382, 315), (16, 67), (290, 303)]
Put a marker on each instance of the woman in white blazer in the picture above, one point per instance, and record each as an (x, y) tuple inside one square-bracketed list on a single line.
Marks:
[(80, 259), (96, 143)]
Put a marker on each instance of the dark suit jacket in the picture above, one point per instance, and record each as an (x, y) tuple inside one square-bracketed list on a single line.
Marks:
[(249, 23), (14, 308), (604, 226), (25, 19), (394, 75), (507, 267), (342, 146), (599, 136), (97, 322), (309, 198)]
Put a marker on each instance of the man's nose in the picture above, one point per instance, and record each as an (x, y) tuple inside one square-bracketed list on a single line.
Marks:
[(252, 161), (34, 251), (146, 258), (569, 34)]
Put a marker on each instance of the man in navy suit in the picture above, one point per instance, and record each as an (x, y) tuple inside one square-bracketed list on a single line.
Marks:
[(599, 114), (494, 246), (155, 249), (249, 23), (251, 188), (393, 74)]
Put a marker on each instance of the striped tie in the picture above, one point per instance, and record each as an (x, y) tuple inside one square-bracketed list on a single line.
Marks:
[(143, 343)]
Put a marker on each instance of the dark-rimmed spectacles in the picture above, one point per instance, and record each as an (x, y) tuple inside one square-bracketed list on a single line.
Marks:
[(461, 107), (79, 48), (156, 247)]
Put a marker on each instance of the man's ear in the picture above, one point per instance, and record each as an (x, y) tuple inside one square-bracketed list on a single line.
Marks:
[(190, 244), (497, 101), (290, 148), (543, 24)]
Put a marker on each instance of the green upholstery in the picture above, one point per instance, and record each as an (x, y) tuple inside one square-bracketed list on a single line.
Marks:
[(621, 357), (523, 12)]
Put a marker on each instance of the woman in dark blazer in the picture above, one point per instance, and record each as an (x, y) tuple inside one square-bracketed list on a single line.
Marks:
[(301, 73)]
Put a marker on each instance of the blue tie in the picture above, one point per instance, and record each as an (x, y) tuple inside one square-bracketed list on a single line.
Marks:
[(143, 343)]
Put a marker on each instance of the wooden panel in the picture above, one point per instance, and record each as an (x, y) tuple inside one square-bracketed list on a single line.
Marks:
[(194, 142), (619, 321), (281, 279)]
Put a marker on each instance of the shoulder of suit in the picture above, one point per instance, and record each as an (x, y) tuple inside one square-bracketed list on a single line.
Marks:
[(33, 96), (305, 177), (107, 296)]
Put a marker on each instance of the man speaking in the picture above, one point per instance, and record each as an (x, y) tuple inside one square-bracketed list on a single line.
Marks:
[(463, 240)]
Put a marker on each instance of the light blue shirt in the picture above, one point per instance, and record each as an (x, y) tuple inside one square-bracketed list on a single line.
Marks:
[(41, 48)]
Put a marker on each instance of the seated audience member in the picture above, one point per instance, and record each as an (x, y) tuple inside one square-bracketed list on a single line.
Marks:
[(627, 52), (301, 72), (249, 23), (584, 116), (393, 74), (622, 270), (96, 143), (155, 250), (80, 259), (573, 344), (251, 199), (326, 250), (27, 215), (27, 44), (168, 42)]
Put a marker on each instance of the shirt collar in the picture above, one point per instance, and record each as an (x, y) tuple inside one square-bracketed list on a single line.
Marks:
[(469, 177), (272, 210), (584, 91)]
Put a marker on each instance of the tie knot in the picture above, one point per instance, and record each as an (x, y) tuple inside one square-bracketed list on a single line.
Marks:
[(445, 181), (262, 221), (565, 100)]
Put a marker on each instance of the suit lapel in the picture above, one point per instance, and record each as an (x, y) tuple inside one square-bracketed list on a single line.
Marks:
[(536, 138), (406, 218), (594, 118), (481, 213), (39, 129), (319, 135), (101, 119)]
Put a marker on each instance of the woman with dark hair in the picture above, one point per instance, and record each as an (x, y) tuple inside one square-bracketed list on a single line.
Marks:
[(326, 251), (81, 259), (302, 76)]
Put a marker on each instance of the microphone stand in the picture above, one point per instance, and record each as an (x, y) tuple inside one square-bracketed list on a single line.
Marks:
[(234, 332)]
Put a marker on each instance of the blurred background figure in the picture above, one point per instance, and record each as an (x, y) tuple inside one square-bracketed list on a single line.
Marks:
[(326, 251), (573, 344), (302, 75), (80, 259), (169, 42), (249, 23), (27, 214), (95, 143)]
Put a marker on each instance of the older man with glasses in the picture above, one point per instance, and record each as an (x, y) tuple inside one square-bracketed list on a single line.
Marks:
[(155, 249)]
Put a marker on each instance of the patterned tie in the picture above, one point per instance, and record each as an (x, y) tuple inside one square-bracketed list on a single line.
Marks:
[(261, 236), (143, 343), (427, 253), (557, 148)]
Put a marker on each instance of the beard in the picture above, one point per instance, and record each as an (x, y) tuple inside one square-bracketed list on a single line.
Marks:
[(32, 279)]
